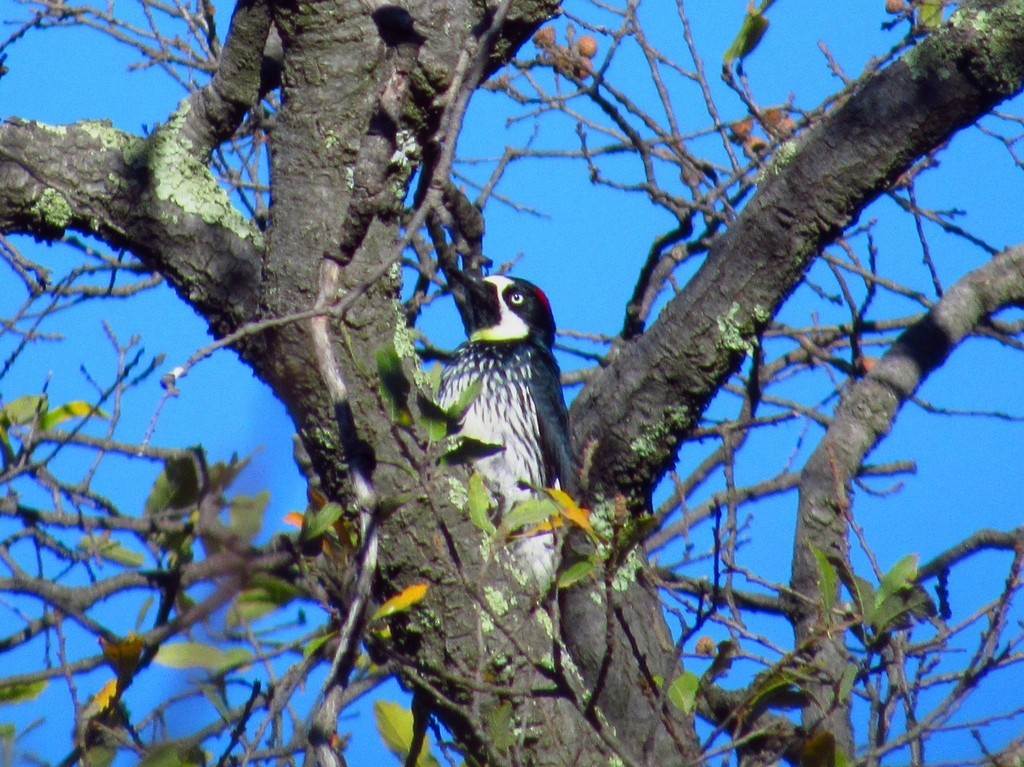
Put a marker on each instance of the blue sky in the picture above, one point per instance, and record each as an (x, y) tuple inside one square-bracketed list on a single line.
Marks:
[(584, 250)]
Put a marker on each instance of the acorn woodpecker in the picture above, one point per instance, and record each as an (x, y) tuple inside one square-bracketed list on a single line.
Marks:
[(520, 405)]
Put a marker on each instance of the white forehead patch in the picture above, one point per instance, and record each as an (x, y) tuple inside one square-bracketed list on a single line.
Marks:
[(510, 327)]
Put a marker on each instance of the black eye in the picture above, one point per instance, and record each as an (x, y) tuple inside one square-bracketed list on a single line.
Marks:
[(515, 298)]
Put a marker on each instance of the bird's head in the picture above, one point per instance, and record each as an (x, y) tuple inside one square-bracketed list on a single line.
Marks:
[(510, 309)]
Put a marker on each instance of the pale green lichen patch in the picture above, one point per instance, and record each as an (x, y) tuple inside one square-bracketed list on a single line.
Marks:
[(999, 28), (109, 137), (179, 178), (57, 130), (545, 623), (735, 332), (782, 157), (649, 445), (486, 624), (403, 161), (325, 438), (625, 575), (52, 209), (405, 347), (458, 494), (498, 601)]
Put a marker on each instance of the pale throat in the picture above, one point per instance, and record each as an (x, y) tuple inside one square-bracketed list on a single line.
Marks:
[(510, 327)]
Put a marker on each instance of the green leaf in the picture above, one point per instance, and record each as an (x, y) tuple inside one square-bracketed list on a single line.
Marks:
[(846, 683), (395, 725), (819, 751), (434, 418), (480, 504), (111, 550), (198, 655), (841, 759), (394, 386), (66, 412), (433, 378), (900, 578), (24, 410), (175, 755), (316, 523), (576, 573), (929, 14), (468, 396), (246, 514), (772, 686), (828, 582), (314, 646), (898, 597), (223, 475), (99, 756), (755, 24), (896, 610), (500, 727), (267, 595), (177, 487), (164, 755), (20, 693), (532, 511), (683, 691), (863, 595), (140, 618), (469, 450)]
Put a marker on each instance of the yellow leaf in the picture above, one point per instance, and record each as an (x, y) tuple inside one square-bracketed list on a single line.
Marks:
[(819, 751), (396, 726), (123, 655), (101, 701), (540, 529), (401, 601), (570, 509), (77, 409)]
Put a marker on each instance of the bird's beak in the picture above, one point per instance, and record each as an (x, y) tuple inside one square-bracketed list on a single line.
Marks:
[(478, 302)]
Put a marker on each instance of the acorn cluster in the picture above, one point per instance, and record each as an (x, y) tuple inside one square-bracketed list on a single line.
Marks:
[(775, 121), (575, 59)]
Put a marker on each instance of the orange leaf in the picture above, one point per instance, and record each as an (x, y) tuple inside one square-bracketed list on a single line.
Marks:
[(544, 527), (401, 601), (570, 509), (293, 518)]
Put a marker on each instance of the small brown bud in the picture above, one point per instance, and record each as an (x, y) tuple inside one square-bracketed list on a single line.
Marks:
[(777, 122), (545, 37), (755, 147), (587, 47), (706, 647), (739, 131)]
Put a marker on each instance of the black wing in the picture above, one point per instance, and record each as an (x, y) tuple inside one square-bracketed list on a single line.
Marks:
[(553, 421)]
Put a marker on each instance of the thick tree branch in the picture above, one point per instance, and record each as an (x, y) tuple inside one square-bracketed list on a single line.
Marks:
[(218, 109), (864, 417), (149, 196), (631, 415)]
